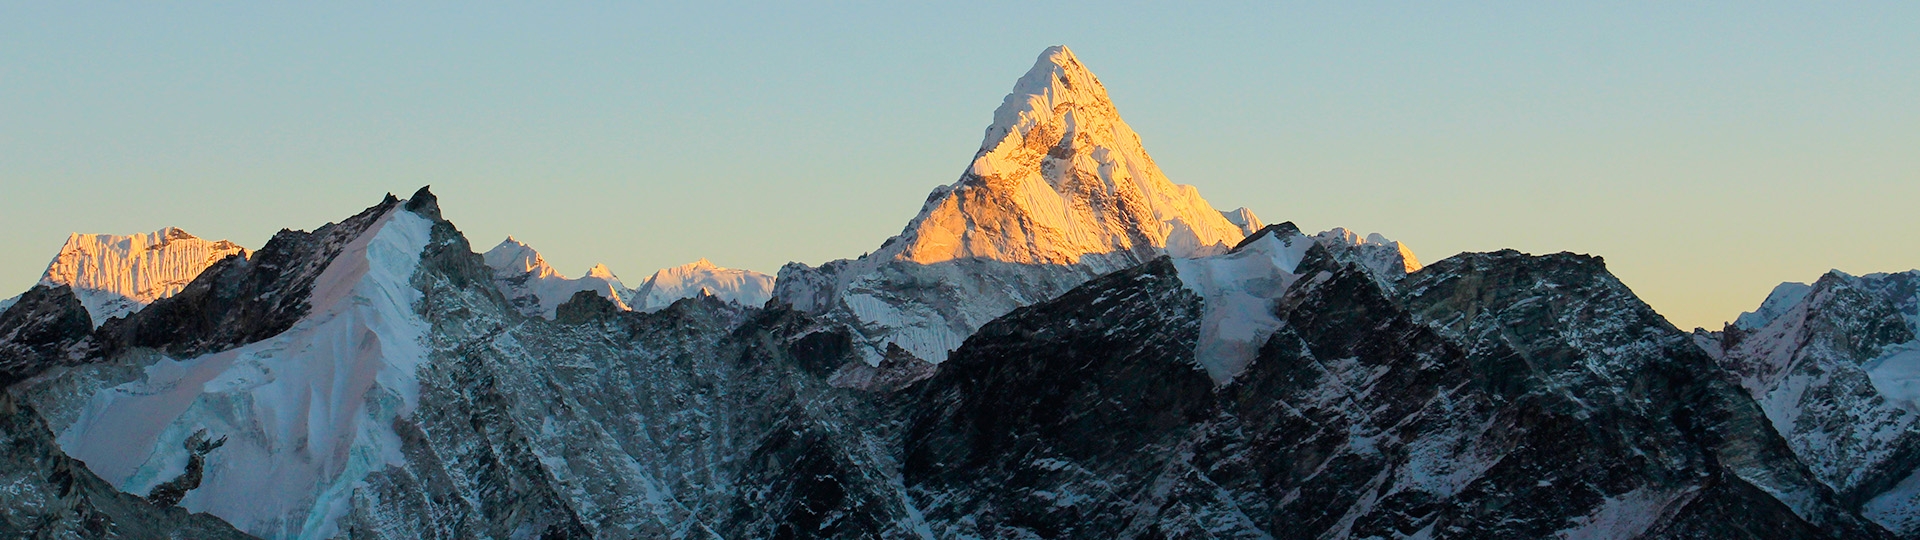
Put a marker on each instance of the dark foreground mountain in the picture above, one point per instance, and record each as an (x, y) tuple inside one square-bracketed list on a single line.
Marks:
[(1490, 395), (1496, 396), (49, 495)]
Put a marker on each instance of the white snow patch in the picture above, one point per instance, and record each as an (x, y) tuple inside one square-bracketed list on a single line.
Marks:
[(1238, 291), (307, 413), (1896, 374)]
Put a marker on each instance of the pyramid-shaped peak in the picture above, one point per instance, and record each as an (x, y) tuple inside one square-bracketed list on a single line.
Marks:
[(600, 271), (1060, 176)]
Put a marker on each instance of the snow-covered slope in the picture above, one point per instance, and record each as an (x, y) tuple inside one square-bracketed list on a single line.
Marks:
[(1237, 292), (1060, 191), (1240, 291), (305, 414), (537, 289), (116, 275), (1836, 367), (744, 287)]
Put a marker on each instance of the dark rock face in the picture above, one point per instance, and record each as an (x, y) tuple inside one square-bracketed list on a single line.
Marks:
[(1054, 419), (697, 420), (46, 327), (583, 307), (49, 495), (1501, 396), (170, 492)]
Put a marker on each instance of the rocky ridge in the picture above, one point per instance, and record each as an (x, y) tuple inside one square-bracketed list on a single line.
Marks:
[(1836, 367)]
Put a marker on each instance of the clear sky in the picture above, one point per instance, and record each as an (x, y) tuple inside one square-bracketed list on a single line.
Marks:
[(1708, 151)]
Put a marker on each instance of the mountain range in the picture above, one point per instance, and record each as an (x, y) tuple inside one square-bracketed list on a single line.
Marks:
[(1062, 344)]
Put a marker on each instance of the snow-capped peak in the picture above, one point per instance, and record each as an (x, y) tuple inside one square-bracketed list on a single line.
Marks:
[(116, 275), (745, 287), (1245, 219), (1060, 191), (601, 271), (1783, 298), (1058, 178), (537, 289), (515, 258), (1375, 252)]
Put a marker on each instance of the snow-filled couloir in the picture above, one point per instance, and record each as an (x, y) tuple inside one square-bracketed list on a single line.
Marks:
[(1238, 291), (1060, 190), (305, 415), (115, 275)]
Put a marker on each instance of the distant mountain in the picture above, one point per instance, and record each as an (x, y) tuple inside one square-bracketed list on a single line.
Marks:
[(537, 289), (115, 275), (669, 285), (1836, 367)]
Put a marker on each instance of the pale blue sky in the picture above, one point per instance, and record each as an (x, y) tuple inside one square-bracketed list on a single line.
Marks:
[(1707, 151)]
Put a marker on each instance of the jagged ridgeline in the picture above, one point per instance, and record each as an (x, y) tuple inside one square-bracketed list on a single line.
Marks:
[(1064, 344)]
